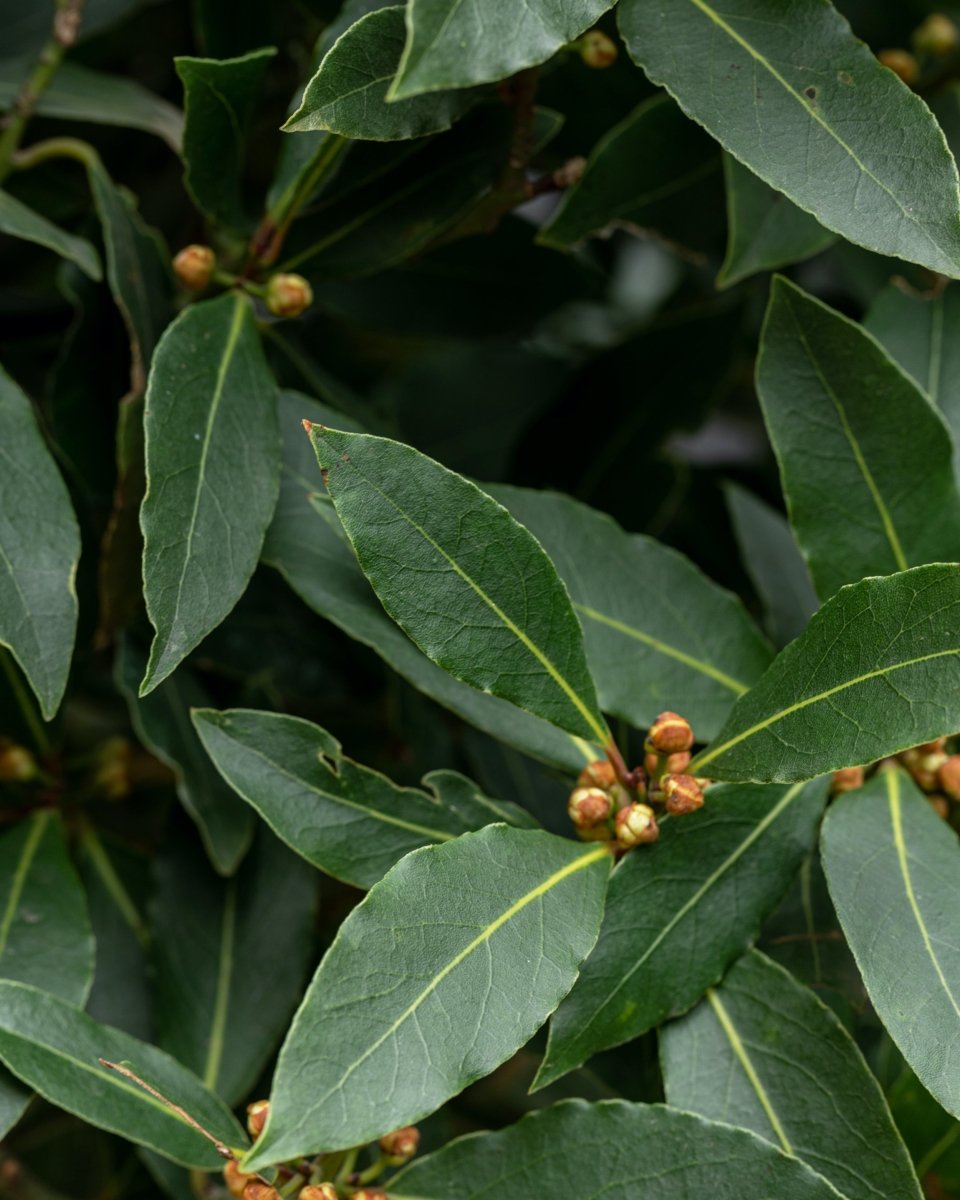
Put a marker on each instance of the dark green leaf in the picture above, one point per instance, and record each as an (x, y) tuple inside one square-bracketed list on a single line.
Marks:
[(932, 1135), (463, 579), (347, 820), (863, 500), (615, 1150), (765, 230), (213, 462), (762, 1053), (655, 170), (893, 867), (19, 221), (39, 550), (680, 912), (56, 1048), (347, 95), (230, 960), (219, 97), (162, 722), (491, 927), (807, 107), (454, 44), (874, 673), (658, 634)]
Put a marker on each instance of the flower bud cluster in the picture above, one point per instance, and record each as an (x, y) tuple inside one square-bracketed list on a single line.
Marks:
[(667, 759)]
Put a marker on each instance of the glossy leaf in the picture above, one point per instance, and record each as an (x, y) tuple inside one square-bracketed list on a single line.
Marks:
[(454, 44), (654, 170), (575, 1148), (893, 867), (492, 927), (230, 960), (680, 912), (773, 562), (213, 462), (762, 1053), (307, 544), (56, 1048), (659, 635), (162, 723), (78, 94), (347, 95), (863, 500), (808, 108), (342, 817), (461, 577), (765, 230), (219, 97), (39, 549), (875, 672), (19, 221), (920, 333)]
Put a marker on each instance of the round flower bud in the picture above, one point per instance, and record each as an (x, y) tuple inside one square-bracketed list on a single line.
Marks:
[(599, 774), (636, 825), (589, 807), (318, 1191), (370, 1194), (401, 1144), (194, 266), (948, 776), (256, 1189), (846, 780), (676, 764), (596, 49), (288, 295), (257, 1117), (937, 36), (17, 764), (669, 734), (235, 1179), (902, 63), (683, 794)]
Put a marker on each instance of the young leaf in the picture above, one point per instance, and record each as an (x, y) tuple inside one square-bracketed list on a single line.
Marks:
[(679, 913), (659, 635), (613, 1149), (452, 43), (448, 967), (863, 499), (349, 821), (39, 549), (765, 231), (162, 723), (875, 672), (808, 108), (219, 98), (654, 170), (306, 543), (213, 462), (230, 960), (461, 577), (55, 1048), (347, 95), (19, 221), (893, 867), (761, 1052)]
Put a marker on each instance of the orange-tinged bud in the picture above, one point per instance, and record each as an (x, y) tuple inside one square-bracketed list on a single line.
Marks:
[(194, 267), (596, 49), (902, 63), (636, 825), (598, 774), (934, 746), (401, 1144), (682, 793), (370, 1194), (948, 776), (651, 764), (235, 1179), (589, 807), (318, 1191), (257, 1190), (937, 36), (257, 1117), (670, 733), (846, 780), (677, 764), (288, 295), (17, 764)]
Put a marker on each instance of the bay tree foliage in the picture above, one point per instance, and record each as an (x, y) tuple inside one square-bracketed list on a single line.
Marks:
[(480, 599)]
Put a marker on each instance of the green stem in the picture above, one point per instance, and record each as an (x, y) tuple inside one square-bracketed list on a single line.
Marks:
[(374, 1171), (24, 703), (937, 1151), (66, 24), (346, 1167), (112, 882), (58, 147)]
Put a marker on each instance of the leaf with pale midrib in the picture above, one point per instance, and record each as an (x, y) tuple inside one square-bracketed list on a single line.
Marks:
[(19, 221)]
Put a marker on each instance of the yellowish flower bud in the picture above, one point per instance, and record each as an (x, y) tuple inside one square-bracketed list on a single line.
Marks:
[(596, 49), (288, 295), (937, 36), (636, 825), (235, 1179), (846, 780), (17, 764), (257, 1117), (670, 733), (902, 63), (257, 1190), (677, 764), (370, 1194), (401, 1144), (589, 807), (318, 1191), (682, 794), (948, 776), (598, 774), (194, 266)]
